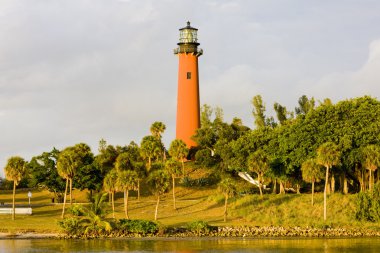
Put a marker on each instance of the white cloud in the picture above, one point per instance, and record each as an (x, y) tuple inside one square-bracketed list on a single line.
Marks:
[(363, 81), (80, 70)]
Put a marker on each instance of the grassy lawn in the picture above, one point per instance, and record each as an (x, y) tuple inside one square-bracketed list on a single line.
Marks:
[(191, 204), (198, 204)]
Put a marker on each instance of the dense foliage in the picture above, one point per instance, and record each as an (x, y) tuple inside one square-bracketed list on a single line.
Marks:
[(275, 152)]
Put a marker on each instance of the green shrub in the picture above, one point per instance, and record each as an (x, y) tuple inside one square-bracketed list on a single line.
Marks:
[(199, 227), (138, 226), (77, 210), (71, 226), (368, 205)]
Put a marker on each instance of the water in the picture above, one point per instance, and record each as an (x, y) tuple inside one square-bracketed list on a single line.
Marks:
[(346, 245)]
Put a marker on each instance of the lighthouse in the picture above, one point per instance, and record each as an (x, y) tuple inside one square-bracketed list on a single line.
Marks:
[(188, 111)]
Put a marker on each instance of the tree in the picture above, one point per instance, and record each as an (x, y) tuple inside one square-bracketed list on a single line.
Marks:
[(14, 170), (158, 182), (149, 147), (258, 162), (43, 174), (126, 181), (281, 113), (157, 129), (228, 188), (178, 150), (109, 185), (95, 222), (311, 172), (106, 158), (70, 160), (371, 160), (258, 111), (328, 155), (174, 169), (206, 112), (124, 162), (130, 159), (305, 105)]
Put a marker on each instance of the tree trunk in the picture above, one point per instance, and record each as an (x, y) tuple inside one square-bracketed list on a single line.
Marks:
[(173, 182), (138, 190), (149, 163), (370, 181), (261, 191), (71, 193), (113, 204), (13, 200), (298, 188), (126, 192), (361, 181), (332, 183), (275, 186), (328, 187), (156, 212), (183, 168), (225, 207), (282, 189), (325, 194), (345, 185), (64, 198), (312, 193)]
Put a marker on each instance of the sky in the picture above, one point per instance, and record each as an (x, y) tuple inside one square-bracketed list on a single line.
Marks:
[(76, 71)]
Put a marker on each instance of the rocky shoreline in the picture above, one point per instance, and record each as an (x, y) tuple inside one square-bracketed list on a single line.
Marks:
[(273, 231), (222, 232)]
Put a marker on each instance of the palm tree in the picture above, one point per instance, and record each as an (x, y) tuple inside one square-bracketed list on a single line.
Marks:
[(157, 129), (95, 221), (66, 165), (124, 162), (69, 161), (173, 168), (371, 160), (158, 182), (258, 162), (178, 150), (126, 181), (328, 155), (14, 171), (228, 188), (109, 185), (148, 148), (311, 172)]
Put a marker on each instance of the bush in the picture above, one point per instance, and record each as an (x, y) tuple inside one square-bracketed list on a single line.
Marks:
[(138, 226), (71, 226), (368, 205), (77, 210), (199, 227)]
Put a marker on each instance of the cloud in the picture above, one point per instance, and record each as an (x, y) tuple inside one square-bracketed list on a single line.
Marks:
[(77, 71), (348, 84)]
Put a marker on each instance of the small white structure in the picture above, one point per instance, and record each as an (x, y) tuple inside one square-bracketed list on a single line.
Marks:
[(18, 210), (248, 178)]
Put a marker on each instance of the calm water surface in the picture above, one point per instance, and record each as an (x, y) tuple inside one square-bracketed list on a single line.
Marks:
[(366, 245)]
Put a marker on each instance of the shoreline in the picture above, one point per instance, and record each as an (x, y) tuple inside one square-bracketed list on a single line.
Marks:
[(217, 233)]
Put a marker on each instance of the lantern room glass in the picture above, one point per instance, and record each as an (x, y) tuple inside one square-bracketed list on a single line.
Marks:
[(188, 36)]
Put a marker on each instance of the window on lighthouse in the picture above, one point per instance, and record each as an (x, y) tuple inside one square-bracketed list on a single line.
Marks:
[(188, 75)]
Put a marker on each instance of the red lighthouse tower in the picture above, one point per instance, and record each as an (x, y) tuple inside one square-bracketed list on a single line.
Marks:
[(188, 119)]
